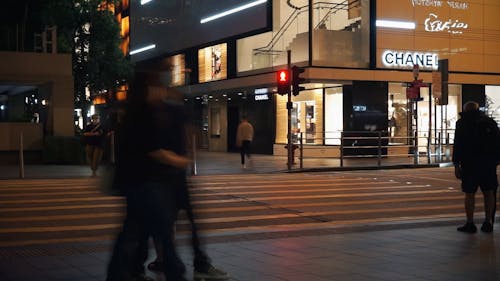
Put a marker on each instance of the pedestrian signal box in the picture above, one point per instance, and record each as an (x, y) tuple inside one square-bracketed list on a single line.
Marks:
[(297, 80), (283, 81)]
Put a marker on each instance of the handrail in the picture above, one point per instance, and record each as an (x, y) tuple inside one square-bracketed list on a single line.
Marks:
[(333, 10), (279, 34), (296, 12)]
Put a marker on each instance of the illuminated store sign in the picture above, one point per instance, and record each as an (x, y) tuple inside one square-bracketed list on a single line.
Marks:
[(261, 91), (408, 59), (434, 24), (261, 97), (435, 3)]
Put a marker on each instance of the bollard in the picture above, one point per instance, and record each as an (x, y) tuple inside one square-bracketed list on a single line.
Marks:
[(112, 149), (379, 149), (194, 166), (342, 149), (21, 156), (301, 160)]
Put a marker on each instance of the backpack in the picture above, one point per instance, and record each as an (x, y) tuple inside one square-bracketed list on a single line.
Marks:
[(487, 138)]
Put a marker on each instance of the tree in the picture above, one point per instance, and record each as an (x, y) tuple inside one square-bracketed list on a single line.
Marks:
[(91, 33)]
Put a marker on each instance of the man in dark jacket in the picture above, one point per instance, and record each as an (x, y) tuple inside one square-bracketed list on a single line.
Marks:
[(475, 164)]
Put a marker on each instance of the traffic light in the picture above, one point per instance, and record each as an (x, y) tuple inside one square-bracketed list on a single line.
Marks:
[(283, 81), (297, 80)]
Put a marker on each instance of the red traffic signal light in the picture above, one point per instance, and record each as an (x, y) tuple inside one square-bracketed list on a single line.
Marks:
[(283, 81), (297, 80)]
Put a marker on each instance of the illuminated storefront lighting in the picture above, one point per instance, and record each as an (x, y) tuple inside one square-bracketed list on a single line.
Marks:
[(133, 52), (232, 11), (395, 24)]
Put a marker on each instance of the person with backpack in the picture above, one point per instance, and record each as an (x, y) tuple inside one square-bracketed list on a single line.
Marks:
[(475, 157)]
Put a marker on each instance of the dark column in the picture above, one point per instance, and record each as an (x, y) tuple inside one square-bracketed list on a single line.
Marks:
[(365, 114), (475, 93)]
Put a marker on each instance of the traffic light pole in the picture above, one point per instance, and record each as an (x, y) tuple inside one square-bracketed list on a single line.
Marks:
[(289, 107)]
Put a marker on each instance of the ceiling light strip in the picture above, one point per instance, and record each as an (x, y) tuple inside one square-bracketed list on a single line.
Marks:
[(143, 2), (232, 11), (149, 47), (395, 24)]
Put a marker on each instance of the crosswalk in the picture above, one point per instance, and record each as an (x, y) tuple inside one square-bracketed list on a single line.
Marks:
[(51, 211)]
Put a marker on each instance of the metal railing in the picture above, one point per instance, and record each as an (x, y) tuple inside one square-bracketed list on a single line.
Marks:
[(380, 146)]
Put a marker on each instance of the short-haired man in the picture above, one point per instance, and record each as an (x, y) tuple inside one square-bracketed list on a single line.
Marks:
[(475, 164)]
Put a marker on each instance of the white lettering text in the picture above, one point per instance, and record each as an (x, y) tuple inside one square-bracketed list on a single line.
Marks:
[(408, 59), (434, 24), (427, 3), (458, 5)]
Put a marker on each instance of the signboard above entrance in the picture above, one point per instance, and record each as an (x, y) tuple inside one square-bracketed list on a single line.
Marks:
[(401, 59)]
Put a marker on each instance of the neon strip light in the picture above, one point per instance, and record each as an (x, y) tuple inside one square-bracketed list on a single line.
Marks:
[(152, 46), (232, 11), (395, 24), (143, 2)]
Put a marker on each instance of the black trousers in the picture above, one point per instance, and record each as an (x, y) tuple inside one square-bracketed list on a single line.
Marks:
[(245, 150), (151, 210)]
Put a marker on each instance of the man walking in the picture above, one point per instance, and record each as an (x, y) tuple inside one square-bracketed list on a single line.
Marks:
[(244, 137), (475, 156), (94, 142)]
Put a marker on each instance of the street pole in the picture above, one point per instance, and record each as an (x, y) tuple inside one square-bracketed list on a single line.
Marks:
[(289, 107), (310, 22)]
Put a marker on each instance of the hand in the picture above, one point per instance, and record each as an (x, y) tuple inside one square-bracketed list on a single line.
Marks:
[(458, 172), (179, 161), (171, 158)]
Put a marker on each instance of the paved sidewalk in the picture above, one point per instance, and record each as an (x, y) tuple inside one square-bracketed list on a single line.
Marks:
[(209, 163), (413, 254)]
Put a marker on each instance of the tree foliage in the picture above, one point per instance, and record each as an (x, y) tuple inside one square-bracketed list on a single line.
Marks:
[(92, 34)]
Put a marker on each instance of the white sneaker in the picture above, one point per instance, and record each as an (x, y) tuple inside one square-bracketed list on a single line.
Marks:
[(211, 273)]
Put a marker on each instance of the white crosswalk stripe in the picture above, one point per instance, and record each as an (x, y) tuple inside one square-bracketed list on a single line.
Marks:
[(41, 211)]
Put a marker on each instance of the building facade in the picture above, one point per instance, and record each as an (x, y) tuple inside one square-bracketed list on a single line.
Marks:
[(359, 56)]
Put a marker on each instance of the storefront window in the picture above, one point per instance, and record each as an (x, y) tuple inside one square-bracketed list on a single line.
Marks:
[(342, 26), (333, 115), (493, 102), (436, 121), (306, 118)]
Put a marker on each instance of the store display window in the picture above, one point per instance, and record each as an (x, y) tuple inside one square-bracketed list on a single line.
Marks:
[(333, 115), (306, 118), (440, 118)]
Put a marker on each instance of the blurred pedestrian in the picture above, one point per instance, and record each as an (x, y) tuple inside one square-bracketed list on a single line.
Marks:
[(146, 170), (174, 121), (244, 138), (151, 169), (475, 157), (94, 137)]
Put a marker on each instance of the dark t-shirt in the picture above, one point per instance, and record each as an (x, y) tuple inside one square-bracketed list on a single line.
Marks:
[(147, 129), (97, 140)]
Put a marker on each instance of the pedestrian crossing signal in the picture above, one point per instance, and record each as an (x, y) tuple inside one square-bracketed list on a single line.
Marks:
[(283, 81), (297, 80)]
